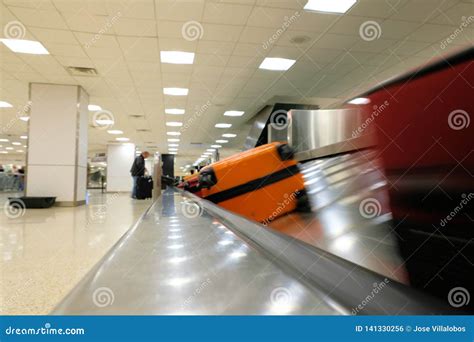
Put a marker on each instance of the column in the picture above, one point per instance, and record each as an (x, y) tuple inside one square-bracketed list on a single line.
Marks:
[(119, 162), (57, 143)]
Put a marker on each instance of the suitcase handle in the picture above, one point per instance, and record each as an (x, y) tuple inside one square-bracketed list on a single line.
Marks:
[(207, 178), (285, 152)]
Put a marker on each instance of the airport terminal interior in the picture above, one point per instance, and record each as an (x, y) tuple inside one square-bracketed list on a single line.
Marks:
[(261, 157)]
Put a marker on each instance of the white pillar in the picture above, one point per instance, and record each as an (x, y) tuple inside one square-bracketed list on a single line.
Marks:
[(57, 143), (119, 161)]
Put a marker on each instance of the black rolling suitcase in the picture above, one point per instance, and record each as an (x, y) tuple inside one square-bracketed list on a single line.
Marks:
[(144, 187)]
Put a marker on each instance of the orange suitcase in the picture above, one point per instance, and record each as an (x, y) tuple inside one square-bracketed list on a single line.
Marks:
[(262, 183)]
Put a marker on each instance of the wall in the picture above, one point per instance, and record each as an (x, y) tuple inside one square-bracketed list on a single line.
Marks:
[(119, 161)]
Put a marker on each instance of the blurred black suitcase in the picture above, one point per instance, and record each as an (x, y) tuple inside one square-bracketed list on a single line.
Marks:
[(144, 187)]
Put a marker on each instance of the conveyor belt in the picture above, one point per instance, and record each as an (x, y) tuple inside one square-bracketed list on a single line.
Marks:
[(351, 216), (188, 256)]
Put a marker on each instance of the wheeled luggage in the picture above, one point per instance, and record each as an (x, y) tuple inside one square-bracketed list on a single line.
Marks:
[(144, 187), (191, 184), (262, 183)]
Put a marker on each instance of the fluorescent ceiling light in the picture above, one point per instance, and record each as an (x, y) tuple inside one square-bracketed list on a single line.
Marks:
[(24, 137), (172, 149), (234, 113), (175, 91), (3, 152), (122, 139), (114, 131), (4, 140), (222, 141), (24, 118), (207, 153), (223, 125), (174, 111), (93, 107), (188, 165), (174, 124), (280, 64), (25, 46), (229, 135), (4, 104), (173, 140), (172, 152), (20, 151), (331, 6), (216, 146), (173, 145), (8, 148), (104, 122), (173, 133), (210, 149), (16, 143), (359, 101), (177, 57)]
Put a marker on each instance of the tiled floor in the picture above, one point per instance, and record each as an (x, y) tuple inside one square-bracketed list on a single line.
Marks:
[(45, 252)]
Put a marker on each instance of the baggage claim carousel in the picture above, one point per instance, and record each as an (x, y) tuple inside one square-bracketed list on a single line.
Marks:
[(188, 256)]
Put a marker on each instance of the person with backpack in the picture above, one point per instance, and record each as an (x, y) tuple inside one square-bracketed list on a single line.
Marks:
[(138, 170)]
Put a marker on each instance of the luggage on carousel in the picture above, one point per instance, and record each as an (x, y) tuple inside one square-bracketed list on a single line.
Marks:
[(191, 184), (262, 183), (144, 187)]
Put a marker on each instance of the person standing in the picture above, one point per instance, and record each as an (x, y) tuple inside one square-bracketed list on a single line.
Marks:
[(138, 170)]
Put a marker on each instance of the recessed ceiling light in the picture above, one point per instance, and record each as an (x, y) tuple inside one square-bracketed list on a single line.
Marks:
[(223, 125), (173, 140), (280, 64), (229, 135), (24, 137), (16, 143), (175, 91), (172, 149), (20, 151), (122, 139), (177, 57), (4, 140), (173, 133), (3, 152), (207, 153), (359, 101), (93, 107), (216, 146), (25, 146), (331, 6), (222, 141), (25, 46), (174, 124), (173, 145), (172, 152), (234, 113), (4, 104), (174, 111), (114, 131), (210, 149), (24, 118), (189, 165), (8, 148), (104, 122)]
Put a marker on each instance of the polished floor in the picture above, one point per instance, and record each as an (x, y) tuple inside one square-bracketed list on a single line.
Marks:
[(45, 252)]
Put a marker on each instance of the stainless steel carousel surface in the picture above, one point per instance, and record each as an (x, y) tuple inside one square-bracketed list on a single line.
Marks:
[(189, 256)]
